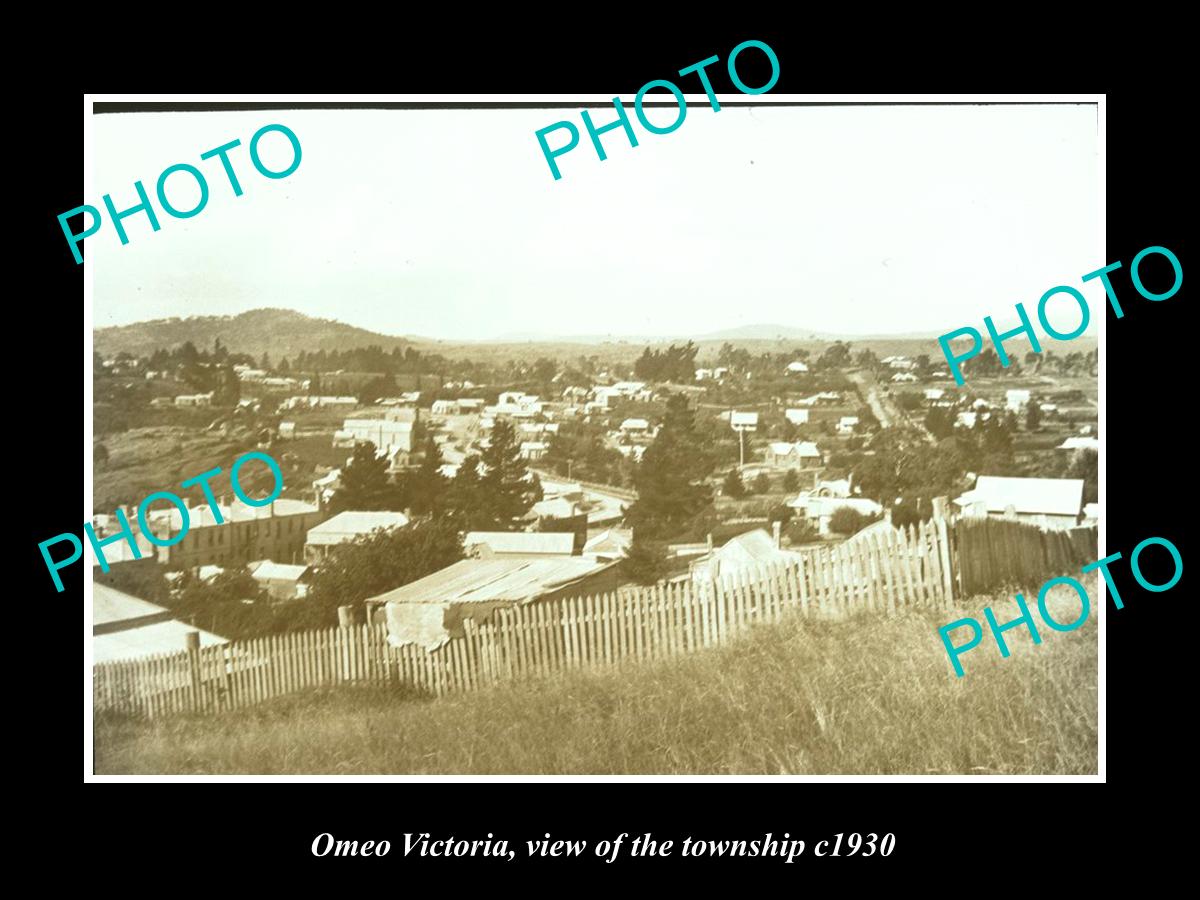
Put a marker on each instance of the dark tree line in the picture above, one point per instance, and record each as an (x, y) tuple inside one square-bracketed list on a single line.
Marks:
[(672, 364)]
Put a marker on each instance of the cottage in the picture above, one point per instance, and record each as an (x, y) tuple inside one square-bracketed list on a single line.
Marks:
[(1015, 401), (743, 421), (385, 433), (635, 426), (934, 394), (904, 376), (744, 554), (798, 455), (797, 416), (430, 611), (444, 407), (345, 528), (847, 424), (281, 581), (820, 509), (533, 450), (194, 399), (1049, 502)]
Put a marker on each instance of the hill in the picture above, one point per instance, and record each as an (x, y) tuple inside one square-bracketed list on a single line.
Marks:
[(861, 696), (278, 332)]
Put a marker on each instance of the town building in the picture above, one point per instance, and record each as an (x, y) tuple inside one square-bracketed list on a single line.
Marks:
[(798, 455), (281, 581), (276, 531), (797, 416)]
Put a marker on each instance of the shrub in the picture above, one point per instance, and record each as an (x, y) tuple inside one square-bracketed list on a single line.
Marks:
[(847, 520)]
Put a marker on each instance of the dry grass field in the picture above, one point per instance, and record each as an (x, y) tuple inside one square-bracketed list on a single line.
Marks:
[(862, 696)]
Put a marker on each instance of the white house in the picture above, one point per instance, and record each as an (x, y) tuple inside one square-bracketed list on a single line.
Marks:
[(1015, 401), (847, 424), (635, 426), (934, 394), (444, 407), (1049, 502), (798, 455), (743, 421), (796, 416)]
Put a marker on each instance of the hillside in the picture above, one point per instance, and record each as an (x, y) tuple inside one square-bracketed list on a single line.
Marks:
[(278, 332), (862, 696)]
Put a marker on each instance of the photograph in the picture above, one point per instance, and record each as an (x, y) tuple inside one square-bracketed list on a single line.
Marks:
[(584, 438)]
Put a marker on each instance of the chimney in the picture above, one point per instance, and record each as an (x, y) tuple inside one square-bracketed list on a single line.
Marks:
[(776, 530)]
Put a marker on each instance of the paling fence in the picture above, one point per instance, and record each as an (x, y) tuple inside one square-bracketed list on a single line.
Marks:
[(877, 572), (994, 553)]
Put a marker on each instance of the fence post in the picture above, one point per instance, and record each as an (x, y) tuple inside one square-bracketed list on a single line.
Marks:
[(192, 642), (940, 510)]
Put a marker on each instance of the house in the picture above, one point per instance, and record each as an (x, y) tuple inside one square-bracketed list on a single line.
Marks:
[(743, 421), (798, 455), (127, 627), (444, 407), (538, 544), (838, 487), (609, 545), (194, 399), (327, 485), (386, 433), (1049, 502), (934, 394), (245, 533), (555, 508), (743, 555), (904, 376), (120, 553), (847, 424), (1080, 444), (431, 610), (797, 416), (635, 426), (1091, 514), (1015, 401), (287, 430), (344, 528), (820, 509), (531, 450), (470, 404), (966, 419), (796, 367), (281, 581)]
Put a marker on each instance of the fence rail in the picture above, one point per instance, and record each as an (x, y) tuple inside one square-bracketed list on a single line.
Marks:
[(876, 572)]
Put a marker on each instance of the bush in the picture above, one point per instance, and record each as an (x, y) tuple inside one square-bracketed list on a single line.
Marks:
[(762, 484), (732, 486), (791, 481), (847, 520), (801, 531)]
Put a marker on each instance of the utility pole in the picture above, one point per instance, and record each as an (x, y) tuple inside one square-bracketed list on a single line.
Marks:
[(741, 448)]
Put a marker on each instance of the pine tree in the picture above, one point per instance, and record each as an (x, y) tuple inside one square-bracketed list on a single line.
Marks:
[(365, 483), (506, 492), (733, 486), (670, 477)]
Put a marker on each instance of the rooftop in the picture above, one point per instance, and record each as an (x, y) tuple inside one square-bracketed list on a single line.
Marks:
[(1046, 496), (544, 543), (348, 525), (491, 580)]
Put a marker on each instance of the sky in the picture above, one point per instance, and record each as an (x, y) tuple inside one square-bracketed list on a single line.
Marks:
[(448, 223)]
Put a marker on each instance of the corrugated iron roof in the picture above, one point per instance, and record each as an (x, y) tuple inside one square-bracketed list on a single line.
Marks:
[(490, 580), (543, 542)]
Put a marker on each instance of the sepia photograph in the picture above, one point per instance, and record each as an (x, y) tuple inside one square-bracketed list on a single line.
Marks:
[(424, 444)]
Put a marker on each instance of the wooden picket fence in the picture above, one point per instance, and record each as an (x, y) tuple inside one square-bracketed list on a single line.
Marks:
[(877, 572)]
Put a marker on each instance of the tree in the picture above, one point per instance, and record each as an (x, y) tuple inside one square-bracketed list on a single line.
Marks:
[(791, 481), (375, 563), (365, 483), (1033, 416), (732, 486), (645, 562), (381, 386), (425, 489), (506, 492), (762, 484), (847, 520), (228, 390), (265, 363), (836, 356), (670, 478)]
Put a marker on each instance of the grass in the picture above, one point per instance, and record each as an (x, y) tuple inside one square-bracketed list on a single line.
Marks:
[(862, 696)]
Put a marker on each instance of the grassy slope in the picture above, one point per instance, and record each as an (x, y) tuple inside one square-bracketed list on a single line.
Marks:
[(865, 696)]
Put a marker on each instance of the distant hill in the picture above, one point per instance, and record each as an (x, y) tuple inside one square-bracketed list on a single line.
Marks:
[(278, 332)]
